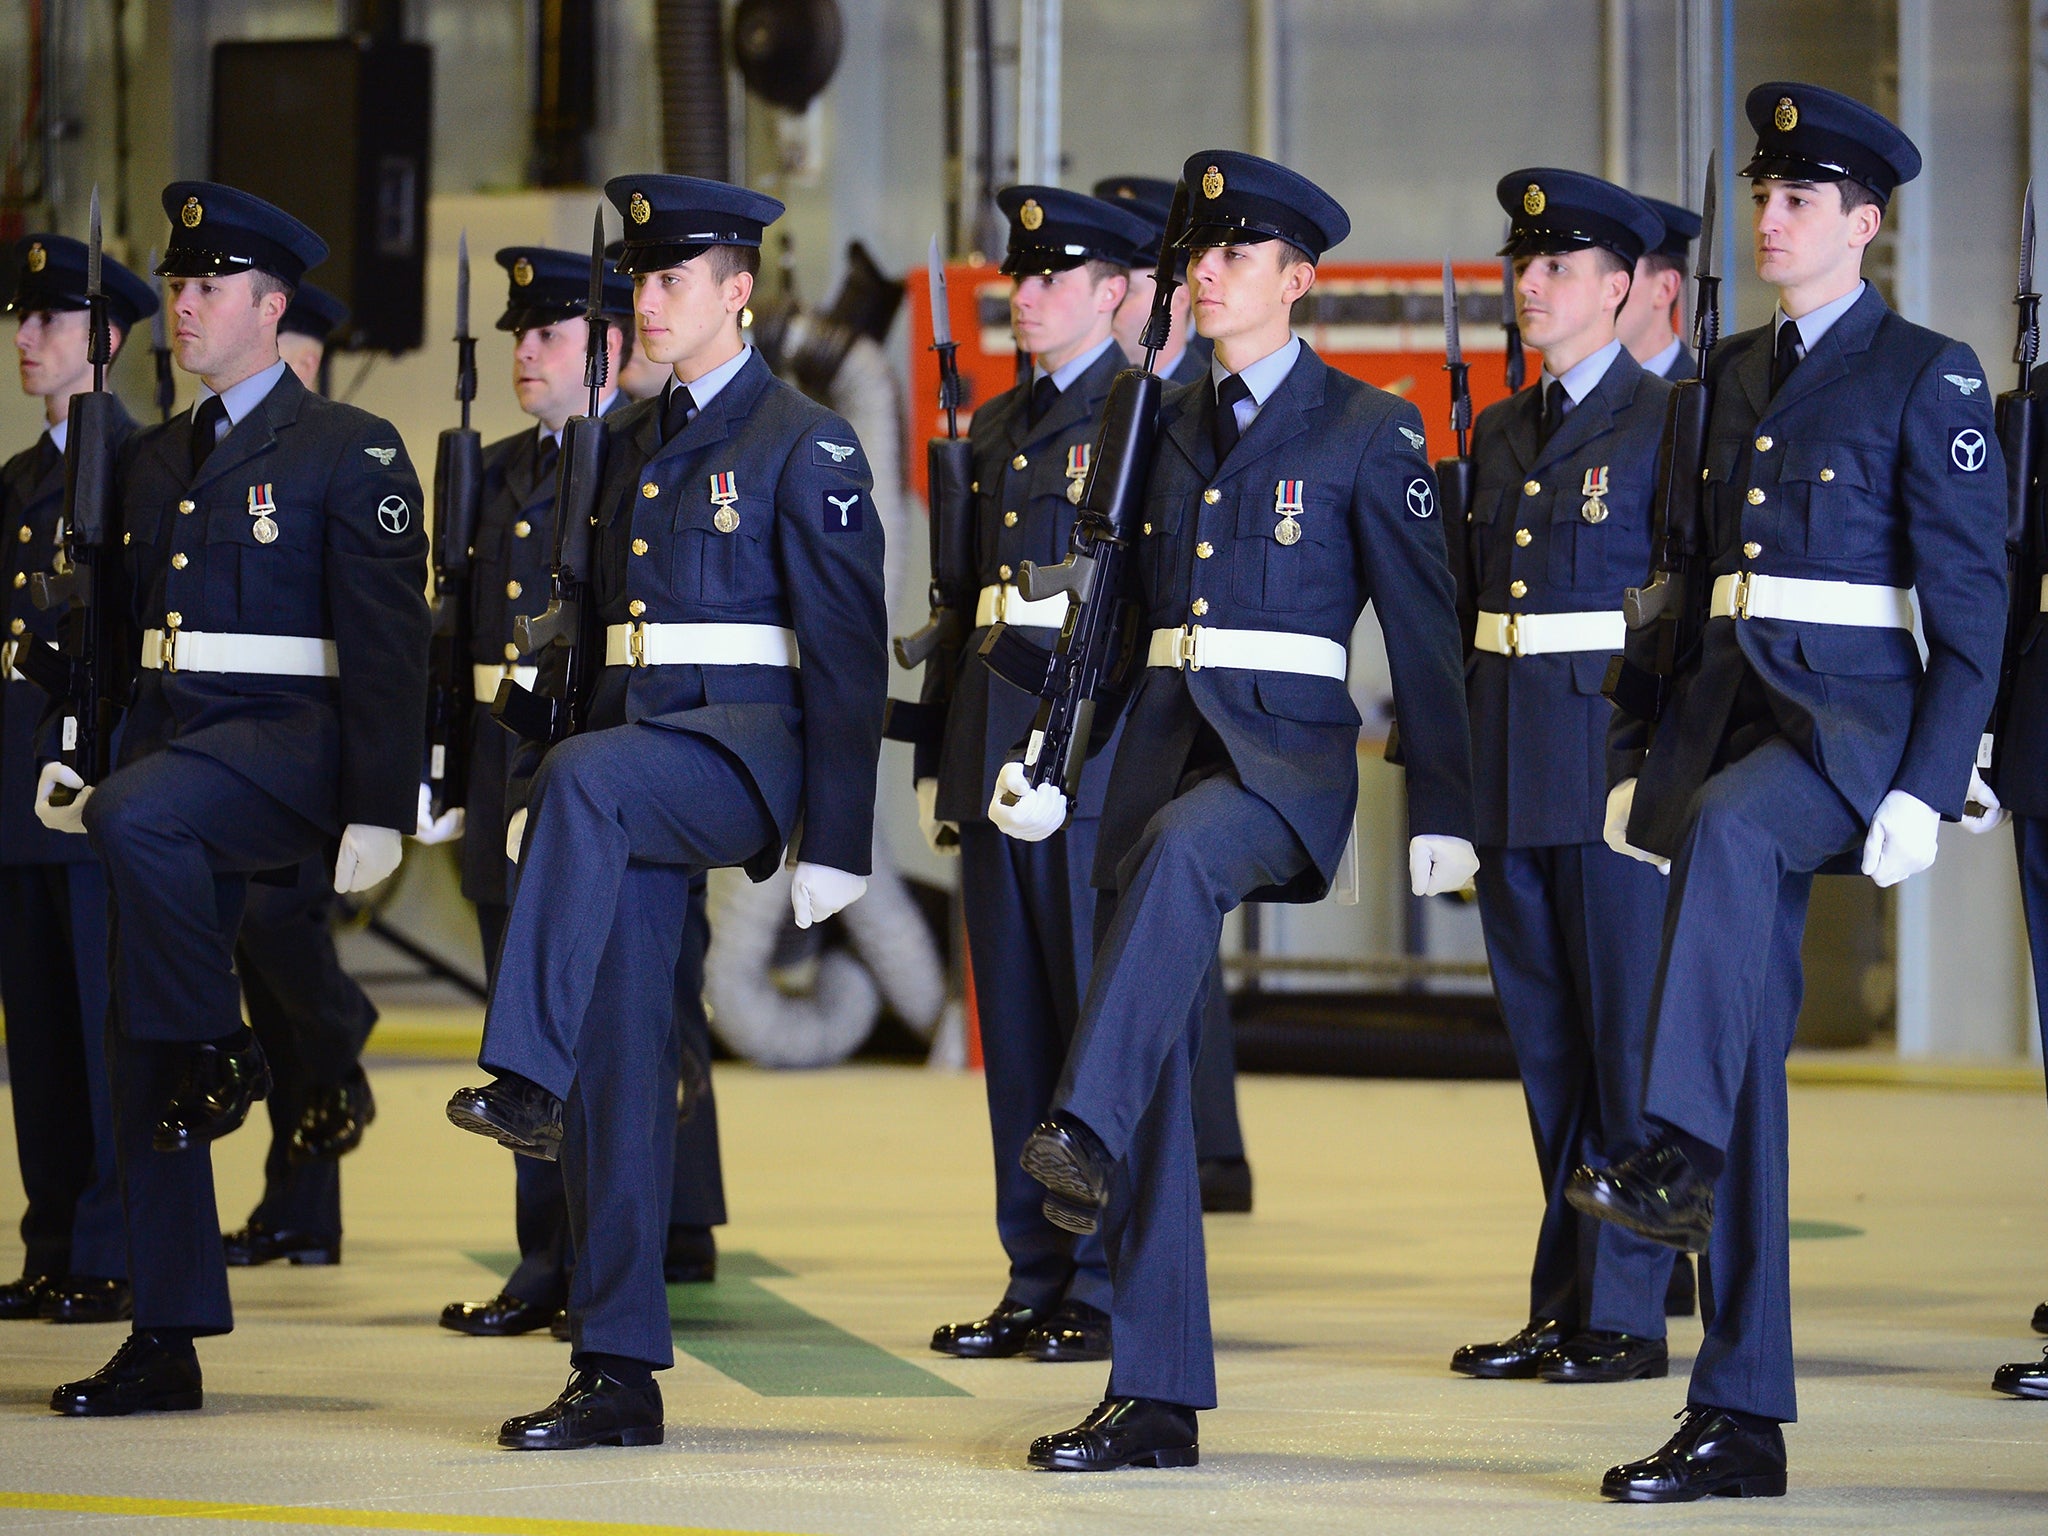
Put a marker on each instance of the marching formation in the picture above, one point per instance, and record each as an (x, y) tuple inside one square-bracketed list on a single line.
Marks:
[(1674, 630)]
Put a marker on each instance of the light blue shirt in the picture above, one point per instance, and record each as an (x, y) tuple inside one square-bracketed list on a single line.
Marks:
[(1584, 376), (706, 389), (1662, 364), (1073, 368), (60, 434), (1816, 325), (240, 399), (1261, 378)]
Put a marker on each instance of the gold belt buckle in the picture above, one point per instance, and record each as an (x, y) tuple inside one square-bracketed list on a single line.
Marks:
[(1511, 632), (1185, 647), (168, 651), (636, 645), (1741, 598)]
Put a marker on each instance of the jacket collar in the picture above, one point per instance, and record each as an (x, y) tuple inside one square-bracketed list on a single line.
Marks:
[(1285, 415), (276, 412)]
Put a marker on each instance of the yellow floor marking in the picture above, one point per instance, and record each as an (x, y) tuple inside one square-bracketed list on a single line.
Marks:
[(359, 1519)]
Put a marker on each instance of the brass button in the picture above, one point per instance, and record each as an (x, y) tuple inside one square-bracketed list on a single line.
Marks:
[(1009, 519), (1204, 550), (1752, 549), (1019, 462), (636, 607), (179, 562), (1827, 474), (1763, 445), (1518, 589), (173, 620), (650, 490), (23, 533), (639, 546), (16, 626), (1756, 496), (21, 578), (522, 529), (1212, 496), (1531, 487), (1522, 537), (187, 506), (975, 486), (511, 651), (1147, 528), (1706, 473), (1200, 606), (513, 589), (1003, 571), (127, 537)]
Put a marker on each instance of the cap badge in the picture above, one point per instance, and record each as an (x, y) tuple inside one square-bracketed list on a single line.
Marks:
[(37, 257), (1128, 194), (1786, 118), (522, 272), (1533, 200), (191, 213), (1212, 183), (638, 211), (1031, 215)]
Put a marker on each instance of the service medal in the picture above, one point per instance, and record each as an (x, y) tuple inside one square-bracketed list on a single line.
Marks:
[(1594, 488), (1077, 471), (1287, 502), (263, 502), (724, 492)]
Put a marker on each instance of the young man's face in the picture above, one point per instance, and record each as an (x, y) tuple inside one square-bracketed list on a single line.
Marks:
[(1648, 321), (1235, 289), (683, 311), (1055, 313), (50, 346), (218, 322), (1136, 309), (302, 354), (1561, 297), (547, 369), (1804, 235)]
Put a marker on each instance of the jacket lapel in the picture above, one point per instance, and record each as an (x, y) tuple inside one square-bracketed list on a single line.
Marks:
[(1525, 427), (1827, 360), (1189, 430), (1593, 415), (713, 423), (254, 433), (1284, 415)]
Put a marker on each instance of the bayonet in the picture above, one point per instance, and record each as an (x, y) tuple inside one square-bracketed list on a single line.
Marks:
[(1706, 323), (166, 391), (99, 351), (465, 344), (597, 360), (942, 341), (1454, 364), (2028, 350), (1517, 365)]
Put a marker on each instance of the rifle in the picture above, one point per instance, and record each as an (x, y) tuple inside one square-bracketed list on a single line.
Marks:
[(166, 393), (1518, 365), (1673, 601), (1454, 475), (570, 617), (80, 672), (1094, 639), (949, 464), (2020, 435), (458, 499)]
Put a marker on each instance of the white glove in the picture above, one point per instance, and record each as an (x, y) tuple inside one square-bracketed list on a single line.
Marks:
[(1992, 816), (1901, 840), (942, 837), (433, 829), (1027, 814), (368, 855), (1437, 864), (819, 890), (515, 834), (61, 818), (1620, 801)]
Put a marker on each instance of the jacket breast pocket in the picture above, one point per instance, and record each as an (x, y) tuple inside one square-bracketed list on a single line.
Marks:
[(1284, 564), (729, 565), (268, 583), (1831, 492)]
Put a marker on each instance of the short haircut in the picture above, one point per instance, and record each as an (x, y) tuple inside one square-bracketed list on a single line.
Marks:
[(1607, 261), (1102, 271), (1856, 195), (727, 261), (1663, 261), (1290, 253), (262, 284)]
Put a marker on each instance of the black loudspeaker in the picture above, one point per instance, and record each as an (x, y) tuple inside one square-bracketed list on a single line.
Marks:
[(337, 132)]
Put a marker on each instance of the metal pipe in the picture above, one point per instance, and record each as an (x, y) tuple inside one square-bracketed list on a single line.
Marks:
[(1038, 91)]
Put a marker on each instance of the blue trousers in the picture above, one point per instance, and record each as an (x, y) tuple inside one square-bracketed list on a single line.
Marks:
[(53, 985), (621, 822), (1030, 914), (1217, 1131), (1572, 937), (1722, 1015), (1127, 1076), (2030, 846), (178, 835)]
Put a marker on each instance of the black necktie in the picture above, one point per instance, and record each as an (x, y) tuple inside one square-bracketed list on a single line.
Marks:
[(1555, 404), (1786, 358), (205, 422), (49, 456), (676, 413), (544, 466), (1224, 428), (1043, 393)]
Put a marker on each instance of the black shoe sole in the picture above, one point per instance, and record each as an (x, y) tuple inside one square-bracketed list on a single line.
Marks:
[(1521, 1370), (1064, 1355), (1755, 1486), (1071, 1201), (643, 1435), (466, 1119), (2032, 1391), (1167, 1456), (520, 1332), (73, 1318), (1589, 1202), (1655, 1370), (170, 1402), (957, 1351)]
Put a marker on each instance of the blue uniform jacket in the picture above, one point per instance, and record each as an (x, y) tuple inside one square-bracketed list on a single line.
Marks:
[(1540, 723), (806, 555), (1021, 512), (2023, 746), (349, 564), (1369, 533), (1876, 463)]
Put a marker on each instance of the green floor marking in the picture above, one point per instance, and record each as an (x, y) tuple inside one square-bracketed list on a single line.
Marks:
[(743, 1330), (1801, 1229)]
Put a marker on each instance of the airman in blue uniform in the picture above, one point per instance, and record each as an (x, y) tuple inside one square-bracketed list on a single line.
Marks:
[(1651, 324), (273, 563), (1850, 461), (53, 899), (1563, 481), (1282, 497), (737, 579)]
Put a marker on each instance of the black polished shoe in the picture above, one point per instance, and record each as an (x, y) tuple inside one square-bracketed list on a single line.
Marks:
[(1122, 1432), (88, 1299), (1593, 1356), (1074, 1332), (1516, 1358), (2026, 1378), (2041, 1318), (592, 1410), (334, 1119), (146, 1375), (514, 1113), (1071, 1164), (220, 1085), (691, 1257), (1655, 1193), (258, 1244), (22, 1300), (1682, 1290), (1003, 1333), (558, 1327), (1226, 1186), (1711, 1455), (504, 1316)]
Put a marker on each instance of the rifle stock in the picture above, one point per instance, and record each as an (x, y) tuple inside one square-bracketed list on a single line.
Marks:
[(550, 717), (949, 465), (1672, 600)]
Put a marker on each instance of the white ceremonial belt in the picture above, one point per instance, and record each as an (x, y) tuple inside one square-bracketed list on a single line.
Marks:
[(1543, 634), (1748, 595), (699, 645), (1192, 648), (1006, 605), (486, 675), (2044, 594), (190, 650)]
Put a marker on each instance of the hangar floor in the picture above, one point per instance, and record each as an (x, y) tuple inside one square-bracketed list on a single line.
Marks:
[(804, 1400)]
